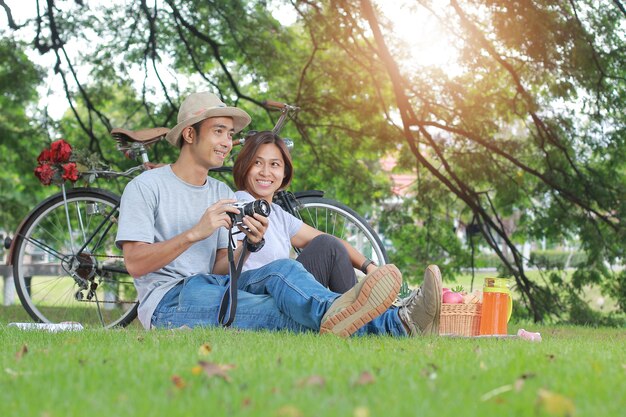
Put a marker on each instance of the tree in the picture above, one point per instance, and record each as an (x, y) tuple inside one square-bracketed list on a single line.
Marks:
[(558, 172), (19, 78), (531, 126)]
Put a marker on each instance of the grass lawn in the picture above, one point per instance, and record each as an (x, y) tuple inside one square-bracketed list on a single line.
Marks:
[(132, 372)]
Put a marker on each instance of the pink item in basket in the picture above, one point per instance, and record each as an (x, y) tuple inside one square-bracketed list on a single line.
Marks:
[(532, 336)]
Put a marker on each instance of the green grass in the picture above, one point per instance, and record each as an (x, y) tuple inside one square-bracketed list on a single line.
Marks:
[(129, 372)]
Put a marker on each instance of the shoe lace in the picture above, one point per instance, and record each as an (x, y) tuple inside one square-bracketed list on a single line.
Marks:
[(406, 301)]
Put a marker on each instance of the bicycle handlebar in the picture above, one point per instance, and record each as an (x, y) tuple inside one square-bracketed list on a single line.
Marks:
[(271, 104)]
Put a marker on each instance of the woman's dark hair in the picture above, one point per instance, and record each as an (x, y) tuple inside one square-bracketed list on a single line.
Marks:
[(247, 157)]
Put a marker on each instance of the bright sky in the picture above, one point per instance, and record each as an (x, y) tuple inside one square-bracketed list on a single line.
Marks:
[(427, 42)]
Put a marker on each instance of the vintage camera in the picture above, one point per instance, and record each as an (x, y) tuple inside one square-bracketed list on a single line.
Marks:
[(248, 208)]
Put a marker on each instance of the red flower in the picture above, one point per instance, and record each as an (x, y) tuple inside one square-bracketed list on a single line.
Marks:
[(44, 156), (45, 173), (70, 172), (54, 166), (60, 151)]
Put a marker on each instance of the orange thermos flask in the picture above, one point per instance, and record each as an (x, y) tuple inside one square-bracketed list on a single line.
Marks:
[(497, 307)]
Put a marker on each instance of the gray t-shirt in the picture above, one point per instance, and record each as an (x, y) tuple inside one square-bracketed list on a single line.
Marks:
[(157, 206), (282, 227)]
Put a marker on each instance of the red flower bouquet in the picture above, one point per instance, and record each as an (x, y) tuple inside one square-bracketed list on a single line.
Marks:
[(54, 166)]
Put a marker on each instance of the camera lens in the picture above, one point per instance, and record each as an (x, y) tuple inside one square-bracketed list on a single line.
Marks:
[(261, 207)]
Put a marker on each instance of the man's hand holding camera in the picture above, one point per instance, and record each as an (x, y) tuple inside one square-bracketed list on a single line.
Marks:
[(216, 216)]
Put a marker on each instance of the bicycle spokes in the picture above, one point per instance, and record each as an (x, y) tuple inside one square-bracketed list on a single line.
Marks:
[(66, 263)]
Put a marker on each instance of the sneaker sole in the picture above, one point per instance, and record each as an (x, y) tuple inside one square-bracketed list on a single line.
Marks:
[(433, 329), (376, 296)]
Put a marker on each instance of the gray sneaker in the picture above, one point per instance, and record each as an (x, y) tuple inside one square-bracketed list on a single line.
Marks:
[(421, 310), (368, 299)]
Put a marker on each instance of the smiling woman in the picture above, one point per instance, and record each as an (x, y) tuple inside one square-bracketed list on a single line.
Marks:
[(264, 167)]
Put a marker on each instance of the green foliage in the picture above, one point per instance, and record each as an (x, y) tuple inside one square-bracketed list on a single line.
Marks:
[(21, 135), (579, 313), (432, 240), (487, 261), (550, 259)]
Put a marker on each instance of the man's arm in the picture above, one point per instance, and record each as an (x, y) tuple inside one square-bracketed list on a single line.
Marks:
[(142, 258)]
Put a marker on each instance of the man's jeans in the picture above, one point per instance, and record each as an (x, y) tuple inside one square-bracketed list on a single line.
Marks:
[(279, 295)]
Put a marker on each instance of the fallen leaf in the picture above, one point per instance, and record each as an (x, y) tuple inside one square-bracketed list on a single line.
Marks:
[(597, 367), (20, 353), (430, 371), (555, 404), (204, 349), (11, 372), (519, 382), (361, 412), (495, 392), (312, 381), (245, 403), (289, 411), (365, 378), (216, 369), (483, 366), (178, 382)]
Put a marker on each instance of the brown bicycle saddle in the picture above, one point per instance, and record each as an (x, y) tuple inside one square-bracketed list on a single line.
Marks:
[(145, 136)]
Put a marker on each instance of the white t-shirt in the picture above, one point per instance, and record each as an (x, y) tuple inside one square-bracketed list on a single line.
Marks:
[(282, 227)]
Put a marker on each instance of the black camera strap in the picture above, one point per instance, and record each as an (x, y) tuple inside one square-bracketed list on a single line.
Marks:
[(228, 305)]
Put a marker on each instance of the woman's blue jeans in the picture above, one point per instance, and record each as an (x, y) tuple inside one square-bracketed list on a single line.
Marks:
[(281, 295)]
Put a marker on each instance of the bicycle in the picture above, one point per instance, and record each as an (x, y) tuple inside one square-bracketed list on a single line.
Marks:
[(71, 237)]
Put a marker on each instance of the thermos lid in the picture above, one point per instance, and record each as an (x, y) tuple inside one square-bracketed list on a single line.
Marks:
[(496, 285)]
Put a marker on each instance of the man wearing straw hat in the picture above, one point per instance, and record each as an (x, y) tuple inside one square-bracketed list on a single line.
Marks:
[(173, 229)]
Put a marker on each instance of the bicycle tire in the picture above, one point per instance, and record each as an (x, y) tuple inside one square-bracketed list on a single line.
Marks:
[(337, 219), (76, 276)]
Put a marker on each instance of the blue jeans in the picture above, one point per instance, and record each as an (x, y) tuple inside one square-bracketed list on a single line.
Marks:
[(279, 295)]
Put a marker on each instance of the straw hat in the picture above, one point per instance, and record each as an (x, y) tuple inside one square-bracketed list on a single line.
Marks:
[(200, 106)]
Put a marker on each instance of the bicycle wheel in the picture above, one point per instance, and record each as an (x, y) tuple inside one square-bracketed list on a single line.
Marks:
[(334, 218), (72, 271)]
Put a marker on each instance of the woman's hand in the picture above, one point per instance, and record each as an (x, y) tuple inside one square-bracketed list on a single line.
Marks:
[(255, 227)]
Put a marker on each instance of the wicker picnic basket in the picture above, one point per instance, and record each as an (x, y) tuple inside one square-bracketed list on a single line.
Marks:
[(460, 319)]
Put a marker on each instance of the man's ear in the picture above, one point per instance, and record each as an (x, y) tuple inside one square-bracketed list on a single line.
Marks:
[(188, 134)]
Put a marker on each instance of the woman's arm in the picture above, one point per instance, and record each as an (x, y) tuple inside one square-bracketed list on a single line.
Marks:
[(307, 233)]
